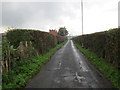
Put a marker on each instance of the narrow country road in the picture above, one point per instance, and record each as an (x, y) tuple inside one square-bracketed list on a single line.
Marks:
[(68, 68)]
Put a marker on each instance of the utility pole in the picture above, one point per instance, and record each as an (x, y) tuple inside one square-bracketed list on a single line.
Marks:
[(82, 19), (82, 14)]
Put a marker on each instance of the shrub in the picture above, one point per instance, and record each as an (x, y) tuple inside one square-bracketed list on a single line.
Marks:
[(104, 44)]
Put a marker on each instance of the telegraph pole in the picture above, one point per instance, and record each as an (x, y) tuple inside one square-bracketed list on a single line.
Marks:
[(82, 14), (82, 19)]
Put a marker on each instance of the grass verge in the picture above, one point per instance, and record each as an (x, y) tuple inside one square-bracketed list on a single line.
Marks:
[(19, 77), (110, 72)]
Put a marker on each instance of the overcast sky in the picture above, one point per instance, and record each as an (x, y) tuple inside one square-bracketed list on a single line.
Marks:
[(99, 15)]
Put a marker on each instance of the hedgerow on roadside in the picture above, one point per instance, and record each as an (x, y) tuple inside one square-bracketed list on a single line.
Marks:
[(19, 76), (102, 49), (104, 44), (23, 53)]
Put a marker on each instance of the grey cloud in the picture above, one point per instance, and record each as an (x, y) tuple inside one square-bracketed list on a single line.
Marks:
[(17, 14), (14, 14)]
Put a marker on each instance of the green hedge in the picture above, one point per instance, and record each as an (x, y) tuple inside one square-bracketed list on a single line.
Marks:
[(24, 52), (20, 76), (109, 71), (34, 43), (104, 44), (42, 41)]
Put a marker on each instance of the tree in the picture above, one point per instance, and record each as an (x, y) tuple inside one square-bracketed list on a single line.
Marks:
[(63, 31)]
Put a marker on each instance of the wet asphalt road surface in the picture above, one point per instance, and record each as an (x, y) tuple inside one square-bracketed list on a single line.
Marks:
[(69, 68)]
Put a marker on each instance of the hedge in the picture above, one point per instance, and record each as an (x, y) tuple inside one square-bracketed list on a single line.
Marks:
[(21, 44), (104, 44), (42, 41)]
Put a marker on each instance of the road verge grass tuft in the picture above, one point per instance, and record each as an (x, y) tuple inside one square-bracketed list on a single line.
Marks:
[(110, 72)]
